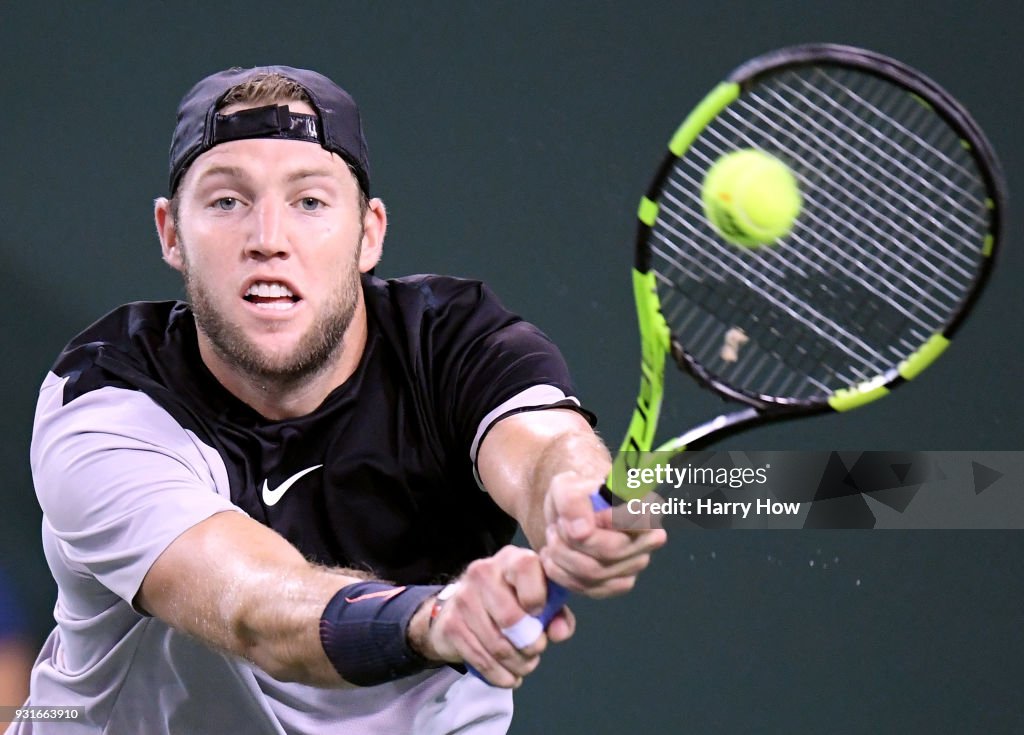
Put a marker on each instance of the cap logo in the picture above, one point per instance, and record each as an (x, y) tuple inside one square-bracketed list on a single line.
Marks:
[(272, 121)]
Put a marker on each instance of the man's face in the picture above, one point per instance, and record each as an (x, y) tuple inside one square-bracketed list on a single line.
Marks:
[(270, 241)]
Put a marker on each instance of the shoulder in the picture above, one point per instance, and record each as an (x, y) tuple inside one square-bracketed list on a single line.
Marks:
[(130, 325), (108, 418), (430, 295), (437, 315), (78, 447), (134, 345)]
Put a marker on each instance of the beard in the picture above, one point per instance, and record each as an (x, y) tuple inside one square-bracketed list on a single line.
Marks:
[(314, 352)]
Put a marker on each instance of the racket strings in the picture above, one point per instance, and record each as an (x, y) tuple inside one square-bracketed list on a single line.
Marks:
[(896, 171), (849, 210), (885, 249), (838, 232), (897, 119), (769, 361), (762, 285)]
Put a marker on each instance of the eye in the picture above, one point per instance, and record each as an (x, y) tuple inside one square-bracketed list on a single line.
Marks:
[(226, 204), (310, 204)]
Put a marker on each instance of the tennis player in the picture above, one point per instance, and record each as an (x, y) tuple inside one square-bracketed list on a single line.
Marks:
[(252, 500)]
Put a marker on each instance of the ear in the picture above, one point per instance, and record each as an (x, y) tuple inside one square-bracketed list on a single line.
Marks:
[(167, 231), (375, 224)]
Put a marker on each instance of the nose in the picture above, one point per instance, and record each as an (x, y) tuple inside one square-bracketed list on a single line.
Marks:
[(268, 238)]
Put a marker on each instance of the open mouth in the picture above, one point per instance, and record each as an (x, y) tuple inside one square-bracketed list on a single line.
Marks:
[(271, 295)]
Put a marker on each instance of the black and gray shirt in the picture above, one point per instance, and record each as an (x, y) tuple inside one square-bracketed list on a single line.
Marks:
[(135, 442)]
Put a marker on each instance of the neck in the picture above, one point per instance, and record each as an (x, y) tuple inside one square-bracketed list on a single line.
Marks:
[(287, 397)]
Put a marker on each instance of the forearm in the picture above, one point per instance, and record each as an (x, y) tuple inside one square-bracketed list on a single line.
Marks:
[(523, 454), (243, 589), (279, 631), (561, 462), (579, 453)]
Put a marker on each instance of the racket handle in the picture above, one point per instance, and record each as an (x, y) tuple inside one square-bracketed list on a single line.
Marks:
[(530, 628)]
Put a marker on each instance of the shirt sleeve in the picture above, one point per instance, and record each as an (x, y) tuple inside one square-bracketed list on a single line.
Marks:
[(488, 363), (118, 480)]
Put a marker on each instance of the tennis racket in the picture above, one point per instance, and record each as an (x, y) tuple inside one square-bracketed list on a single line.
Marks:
[(902, 197)]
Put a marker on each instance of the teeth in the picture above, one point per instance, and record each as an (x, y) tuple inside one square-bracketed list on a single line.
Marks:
[(269, 290)]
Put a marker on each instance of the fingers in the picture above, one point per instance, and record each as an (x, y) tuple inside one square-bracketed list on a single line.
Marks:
[(486, 621), (562, 626), (568, 506), (593, 575), (525, 577), (582, 551)]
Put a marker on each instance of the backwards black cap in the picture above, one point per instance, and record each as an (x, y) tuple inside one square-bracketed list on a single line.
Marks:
[(336, 125)]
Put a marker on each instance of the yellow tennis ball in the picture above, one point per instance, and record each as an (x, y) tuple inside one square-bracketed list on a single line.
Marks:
[(751, 197)]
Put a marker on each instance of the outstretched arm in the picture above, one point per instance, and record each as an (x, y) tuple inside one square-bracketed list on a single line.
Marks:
[(541, 467), (240, 587)]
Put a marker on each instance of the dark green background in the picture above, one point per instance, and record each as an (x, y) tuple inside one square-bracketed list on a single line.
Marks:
[(511, 142)]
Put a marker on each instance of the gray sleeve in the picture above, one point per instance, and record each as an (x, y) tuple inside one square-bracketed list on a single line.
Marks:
[(118, 480)]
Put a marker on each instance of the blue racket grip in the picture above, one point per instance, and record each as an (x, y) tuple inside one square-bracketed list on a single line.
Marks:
[(557, 594)]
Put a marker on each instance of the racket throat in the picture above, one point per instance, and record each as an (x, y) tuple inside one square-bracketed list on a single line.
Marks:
[(713, 430)]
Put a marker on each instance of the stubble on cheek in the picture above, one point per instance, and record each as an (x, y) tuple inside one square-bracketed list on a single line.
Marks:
[(315, 350)]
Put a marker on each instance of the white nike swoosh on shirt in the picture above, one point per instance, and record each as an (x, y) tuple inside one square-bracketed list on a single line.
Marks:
[(271, 497)]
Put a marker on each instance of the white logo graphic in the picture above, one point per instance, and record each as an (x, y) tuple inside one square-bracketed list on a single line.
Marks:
[(271, 497)]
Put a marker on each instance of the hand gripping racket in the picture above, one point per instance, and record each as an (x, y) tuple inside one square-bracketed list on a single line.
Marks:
[(900, 217)]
